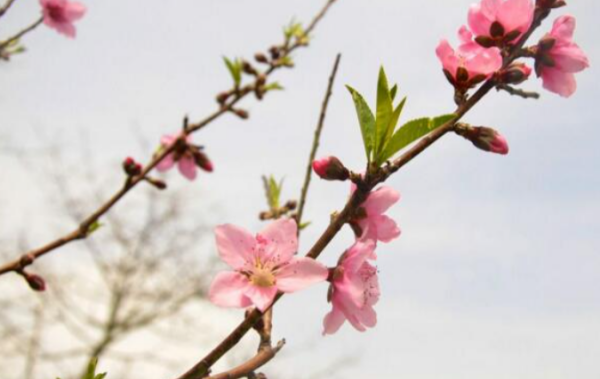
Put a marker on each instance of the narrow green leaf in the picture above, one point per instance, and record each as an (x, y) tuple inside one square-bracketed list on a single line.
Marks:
[(393, 122), (393, 92), (235, 69), (94, 227), (275, 86), (385, 108), (366, 120), (412, 131), (304, 225)]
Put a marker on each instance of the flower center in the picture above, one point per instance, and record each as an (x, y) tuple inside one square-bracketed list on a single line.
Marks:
[(262, 277), (56, 13)]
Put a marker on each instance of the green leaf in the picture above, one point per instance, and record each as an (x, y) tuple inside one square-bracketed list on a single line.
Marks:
[(385, 108), (366, 120), (273, 191), (393, 122), (393, 92), (94, 227), (412, 131), (275, 86), (304, 225), (235, 69), (91, 371)]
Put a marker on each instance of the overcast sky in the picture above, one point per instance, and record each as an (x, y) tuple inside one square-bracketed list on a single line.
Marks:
[(496, 272)]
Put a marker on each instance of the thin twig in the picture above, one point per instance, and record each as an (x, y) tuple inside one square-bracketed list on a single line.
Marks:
[(5, 7), (518, 92), (259, 360), (82, 231), (201, 369), (316, 139), (20, 34)]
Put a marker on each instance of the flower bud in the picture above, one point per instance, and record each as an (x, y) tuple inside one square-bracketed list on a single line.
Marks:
[(261, 58), (550, 4), (131, 167), (516, 73), (241, 113), (203, 162), (36, 282), (330, 168), (484, 138)]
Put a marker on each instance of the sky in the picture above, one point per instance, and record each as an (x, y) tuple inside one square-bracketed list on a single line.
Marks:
[(496, 272)]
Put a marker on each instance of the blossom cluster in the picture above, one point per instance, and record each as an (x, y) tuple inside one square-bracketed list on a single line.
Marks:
[(266, 264), (494, 28)]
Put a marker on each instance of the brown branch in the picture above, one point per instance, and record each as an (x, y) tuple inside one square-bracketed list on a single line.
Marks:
[(260, 359), (364, 186), (316, 139), (517, 91), (20, 34), (5, 7), (82, 231)]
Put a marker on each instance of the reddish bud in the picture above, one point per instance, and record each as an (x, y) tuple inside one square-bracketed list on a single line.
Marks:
[(330, 168), (241, 113), (261, 58), (516, 73), (36, 282), (203, 161), (484, 138), (131, 167)]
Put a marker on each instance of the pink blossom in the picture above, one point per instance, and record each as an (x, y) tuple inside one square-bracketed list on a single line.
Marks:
[(61, 14), (371, 222), (186, 163), (502, 20), (354, 290), (559, 58), (470, 63), (262, 265)]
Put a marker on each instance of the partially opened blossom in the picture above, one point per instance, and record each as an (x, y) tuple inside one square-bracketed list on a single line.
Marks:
[(370, 222), (559, 58), (496, 22), (354, 290), (262, 265), (61, 14), (187, 156), (470, 64)]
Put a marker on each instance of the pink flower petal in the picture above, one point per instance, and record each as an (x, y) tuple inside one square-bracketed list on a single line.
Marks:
[(299, 274), (166, 163), (235, 245), (358, 254), (570, 58), (447, 57), (283, 233), (261, 297), (168, 140), (516, 15), (228, 290), (387, 229), (187, 167), (563, 28), (559, 82), (74, 11), (381, 200), (333, 321), (479, 21)]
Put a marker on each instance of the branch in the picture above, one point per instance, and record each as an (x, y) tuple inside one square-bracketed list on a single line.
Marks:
[(5, 7), (517, 91), (316, 140), (82, 232), (260, 359), (20, 34), (364, 186)]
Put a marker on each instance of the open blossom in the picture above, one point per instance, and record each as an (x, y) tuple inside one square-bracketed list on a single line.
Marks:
[(61, 14), (354, 290), (500, 20), (262, 265), (470, 64), (559, 58), (187, 156), (371, 223)]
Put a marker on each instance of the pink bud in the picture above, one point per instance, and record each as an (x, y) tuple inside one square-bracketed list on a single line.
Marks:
[(131, 167), (486, 139), (516, 73), (330, 168)]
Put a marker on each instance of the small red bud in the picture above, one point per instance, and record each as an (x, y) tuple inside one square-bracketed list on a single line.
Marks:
[(131, 167), (241, 113), (516, 73), (36, 282), (330, 168)]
